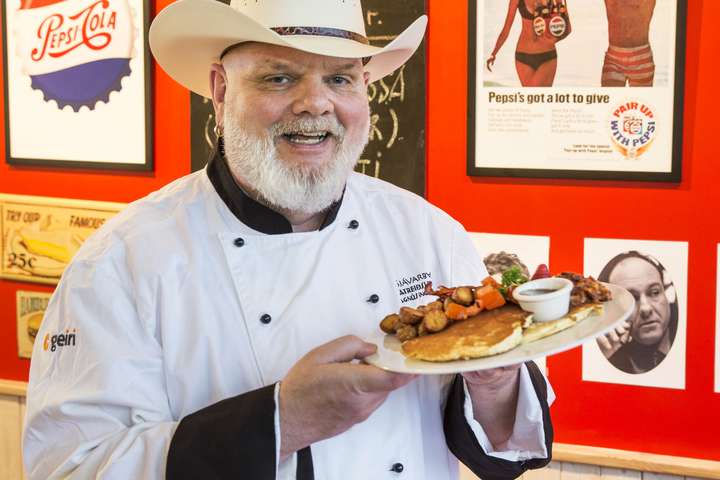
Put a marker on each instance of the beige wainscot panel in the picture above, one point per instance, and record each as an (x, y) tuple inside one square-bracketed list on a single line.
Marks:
[(617, 474), (660, 476), (10, 425), (22, 422), (551, 472), (576, 471)]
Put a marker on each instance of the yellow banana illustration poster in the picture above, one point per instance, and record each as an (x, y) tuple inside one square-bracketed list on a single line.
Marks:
[(40, 235)]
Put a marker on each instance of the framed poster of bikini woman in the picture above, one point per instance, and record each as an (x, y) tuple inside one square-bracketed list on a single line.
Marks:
[(589, 89), (77, 84)]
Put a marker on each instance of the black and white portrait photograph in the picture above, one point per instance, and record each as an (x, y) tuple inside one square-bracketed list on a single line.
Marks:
[(649, 347), (645, 339)]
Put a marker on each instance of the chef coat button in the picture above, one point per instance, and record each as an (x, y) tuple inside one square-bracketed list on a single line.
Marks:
[(265, 318), (353, 225), (397, 467), (374, 298), (239, 242)]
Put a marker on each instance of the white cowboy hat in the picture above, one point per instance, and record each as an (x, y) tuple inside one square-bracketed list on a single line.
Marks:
[(188, 36)]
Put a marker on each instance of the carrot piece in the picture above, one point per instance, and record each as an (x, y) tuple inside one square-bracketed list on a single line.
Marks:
[(490, 297), (482, 291), (491, 282), (455, 311), (473, 310), (496, 300)]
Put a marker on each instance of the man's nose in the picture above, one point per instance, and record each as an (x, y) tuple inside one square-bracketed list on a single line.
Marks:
[(644, 307), (313, 98)]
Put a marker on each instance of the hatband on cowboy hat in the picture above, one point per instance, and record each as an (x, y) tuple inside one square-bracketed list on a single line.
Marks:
[(188, 36)]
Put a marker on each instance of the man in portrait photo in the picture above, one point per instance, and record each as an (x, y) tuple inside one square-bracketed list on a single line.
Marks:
[(641, 343), (629, 57)]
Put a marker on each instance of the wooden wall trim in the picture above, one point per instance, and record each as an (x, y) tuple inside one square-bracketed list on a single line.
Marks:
[(13, 387), (562, 452), (645, 462)]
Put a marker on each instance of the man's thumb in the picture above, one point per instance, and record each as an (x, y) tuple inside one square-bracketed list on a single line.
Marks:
[(343, 349)]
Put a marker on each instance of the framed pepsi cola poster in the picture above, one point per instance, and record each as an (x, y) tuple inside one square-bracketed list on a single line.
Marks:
[(77, 83), (589, 89)]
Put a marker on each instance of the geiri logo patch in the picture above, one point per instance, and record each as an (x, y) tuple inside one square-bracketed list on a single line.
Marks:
[(62, 339)]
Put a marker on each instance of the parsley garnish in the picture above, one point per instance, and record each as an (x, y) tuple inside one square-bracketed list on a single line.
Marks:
[(512, 277)]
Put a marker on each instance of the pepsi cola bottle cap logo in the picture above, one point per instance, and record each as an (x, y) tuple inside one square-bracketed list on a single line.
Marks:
[(76, 51)]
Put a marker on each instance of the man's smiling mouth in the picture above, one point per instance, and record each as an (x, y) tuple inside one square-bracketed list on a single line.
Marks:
[(307, 138)]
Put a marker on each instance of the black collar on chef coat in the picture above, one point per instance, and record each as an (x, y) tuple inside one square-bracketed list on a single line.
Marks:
[(251, 212), (265, 220)]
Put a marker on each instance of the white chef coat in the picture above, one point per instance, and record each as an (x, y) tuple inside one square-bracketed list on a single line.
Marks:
[(165, 305)]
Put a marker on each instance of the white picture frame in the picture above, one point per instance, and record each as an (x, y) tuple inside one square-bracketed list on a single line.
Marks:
[(78, 84), (667, 262)]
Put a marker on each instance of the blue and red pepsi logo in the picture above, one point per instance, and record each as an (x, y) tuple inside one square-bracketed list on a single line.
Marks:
[(76, 51), (633, 126)]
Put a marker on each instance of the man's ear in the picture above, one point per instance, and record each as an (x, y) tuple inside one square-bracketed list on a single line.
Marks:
[(366, 78), (218, 88)]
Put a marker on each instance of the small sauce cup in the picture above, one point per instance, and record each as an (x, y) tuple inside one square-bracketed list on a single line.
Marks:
[(547, 298)]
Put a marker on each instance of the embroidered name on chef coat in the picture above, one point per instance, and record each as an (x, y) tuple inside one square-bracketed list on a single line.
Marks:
[(411, 288)]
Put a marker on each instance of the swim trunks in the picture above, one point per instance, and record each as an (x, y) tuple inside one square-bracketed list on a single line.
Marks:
[(628, 65)]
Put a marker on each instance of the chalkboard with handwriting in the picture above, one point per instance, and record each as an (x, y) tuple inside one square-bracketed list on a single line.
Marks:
[(396, 151)]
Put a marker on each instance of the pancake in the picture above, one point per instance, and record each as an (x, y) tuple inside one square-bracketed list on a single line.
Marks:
[(538, 330), (489, 333)]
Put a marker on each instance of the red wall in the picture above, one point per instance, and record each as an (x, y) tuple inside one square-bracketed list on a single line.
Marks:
[(662, 421), (632, 418), (172, 160)]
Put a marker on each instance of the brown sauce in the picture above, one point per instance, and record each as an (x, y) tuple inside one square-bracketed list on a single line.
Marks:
[(537, 291)]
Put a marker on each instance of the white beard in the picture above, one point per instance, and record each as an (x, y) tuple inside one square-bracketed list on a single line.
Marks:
[(309, 189)]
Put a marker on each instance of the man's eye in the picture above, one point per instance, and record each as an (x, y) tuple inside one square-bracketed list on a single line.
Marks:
[(340, 80), (654, 292), (278, 79)]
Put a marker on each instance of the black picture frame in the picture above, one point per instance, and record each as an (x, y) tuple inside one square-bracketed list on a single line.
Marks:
[(149, 162), (672, 176)]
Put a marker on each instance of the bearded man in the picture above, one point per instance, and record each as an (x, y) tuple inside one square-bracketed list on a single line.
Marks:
[(219, 320)]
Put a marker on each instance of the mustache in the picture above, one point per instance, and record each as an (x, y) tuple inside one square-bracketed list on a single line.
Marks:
[(308, 125)]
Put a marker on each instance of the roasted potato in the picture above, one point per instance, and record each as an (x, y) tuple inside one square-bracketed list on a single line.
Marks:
[(463, 296), (436, 305), (422, 329), (389, 323), (435, 321), (406, 332), (410, 316)]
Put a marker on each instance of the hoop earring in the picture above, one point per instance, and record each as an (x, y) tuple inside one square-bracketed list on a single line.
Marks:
[(218, 131)]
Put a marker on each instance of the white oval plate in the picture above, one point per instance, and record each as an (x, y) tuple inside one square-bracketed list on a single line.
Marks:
[(389, 356)]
